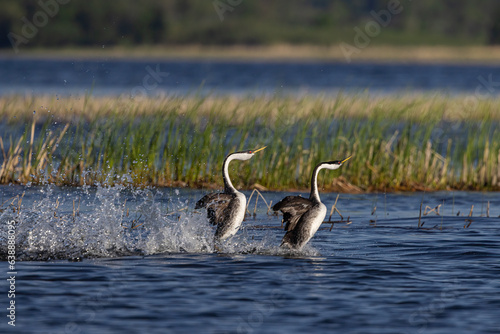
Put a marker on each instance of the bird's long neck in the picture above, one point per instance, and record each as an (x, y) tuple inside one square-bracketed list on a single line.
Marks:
[(228, 186), (314, 184)]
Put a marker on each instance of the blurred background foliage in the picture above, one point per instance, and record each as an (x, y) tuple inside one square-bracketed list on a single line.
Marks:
[(249, 22)]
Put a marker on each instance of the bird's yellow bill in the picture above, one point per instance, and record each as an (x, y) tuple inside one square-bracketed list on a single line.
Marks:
[(346, 159), (260, 149)]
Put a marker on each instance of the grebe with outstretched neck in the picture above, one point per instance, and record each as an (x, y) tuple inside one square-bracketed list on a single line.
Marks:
[(304, 216), (226, 210)]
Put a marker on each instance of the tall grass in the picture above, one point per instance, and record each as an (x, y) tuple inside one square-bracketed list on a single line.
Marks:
[(399, 143)]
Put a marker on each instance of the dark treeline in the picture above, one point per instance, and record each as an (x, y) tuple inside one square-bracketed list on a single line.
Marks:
[(61, 23)]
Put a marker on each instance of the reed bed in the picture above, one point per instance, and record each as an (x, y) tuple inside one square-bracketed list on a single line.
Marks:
[(407, 142)]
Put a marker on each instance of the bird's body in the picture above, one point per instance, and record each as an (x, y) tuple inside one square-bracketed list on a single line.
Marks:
[(226, 210), (303, 216), (306, 222)]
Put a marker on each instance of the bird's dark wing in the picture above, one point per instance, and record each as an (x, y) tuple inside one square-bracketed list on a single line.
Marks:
[(293, 207), (215, 203)]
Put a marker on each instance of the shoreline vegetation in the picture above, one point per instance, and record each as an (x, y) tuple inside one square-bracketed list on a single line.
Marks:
[(399, 143), (278, 52)]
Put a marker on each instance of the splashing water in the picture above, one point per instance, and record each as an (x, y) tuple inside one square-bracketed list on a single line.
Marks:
[(112, 221), (107, 221)]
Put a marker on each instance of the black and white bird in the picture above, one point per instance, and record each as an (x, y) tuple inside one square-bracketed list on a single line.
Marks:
[(226, 210), (304, 216)]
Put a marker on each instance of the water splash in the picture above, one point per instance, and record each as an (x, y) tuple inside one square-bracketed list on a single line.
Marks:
[(102, 222), (110, 221)]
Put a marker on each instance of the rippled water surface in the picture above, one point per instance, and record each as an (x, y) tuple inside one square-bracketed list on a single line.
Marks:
[(142, 261)]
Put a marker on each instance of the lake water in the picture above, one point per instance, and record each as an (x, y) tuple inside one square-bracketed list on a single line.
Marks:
[(150, 77), (124, 260)]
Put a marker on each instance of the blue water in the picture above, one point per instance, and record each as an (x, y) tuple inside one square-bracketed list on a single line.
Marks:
[(154, 77), (86, 270), (123, 260)]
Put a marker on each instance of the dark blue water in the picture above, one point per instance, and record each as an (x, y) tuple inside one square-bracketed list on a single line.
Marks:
[(142, 261), (141, 77)]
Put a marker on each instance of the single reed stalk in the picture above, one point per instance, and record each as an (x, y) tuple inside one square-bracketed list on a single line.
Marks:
[(255, 208), (420, 213), (333, 208), (27, 166)]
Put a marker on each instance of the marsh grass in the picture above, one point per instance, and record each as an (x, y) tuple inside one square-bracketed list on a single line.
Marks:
[(408, 142)]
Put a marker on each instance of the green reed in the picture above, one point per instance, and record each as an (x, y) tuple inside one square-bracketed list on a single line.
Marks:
[(397, 143)]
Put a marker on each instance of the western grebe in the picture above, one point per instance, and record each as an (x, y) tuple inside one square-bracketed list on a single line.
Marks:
[(227, 209), (304, 216)]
